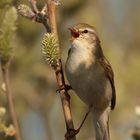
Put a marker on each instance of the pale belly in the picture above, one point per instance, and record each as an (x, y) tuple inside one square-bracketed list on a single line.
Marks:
[(89, 83)]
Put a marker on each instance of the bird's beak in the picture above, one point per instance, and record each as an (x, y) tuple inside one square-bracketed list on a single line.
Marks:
[(74, 33)]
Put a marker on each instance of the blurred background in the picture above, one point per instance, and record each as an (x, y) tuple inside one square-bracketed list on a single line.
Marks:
[(33, 82)]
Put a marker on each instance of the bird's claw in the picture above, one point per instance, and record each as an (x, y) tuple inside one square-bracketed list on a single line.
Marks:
[(71, 133), (63, 87)]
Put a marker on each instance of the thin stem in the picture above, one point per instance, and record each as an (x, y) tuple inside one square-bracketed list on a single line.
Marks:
[(44, 9), (52, 17), (34, 6), (59, 74), (5, 73), (34, 14)]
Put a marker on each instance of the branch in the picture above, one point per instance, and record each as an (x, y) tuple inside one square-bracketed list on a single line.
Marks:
[(34, 6), (5, 73), (34, 14), (65, 99)]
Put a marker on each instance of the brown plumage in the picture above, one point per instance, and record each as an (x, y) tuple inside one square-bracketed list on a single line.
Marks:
[(91, 76)]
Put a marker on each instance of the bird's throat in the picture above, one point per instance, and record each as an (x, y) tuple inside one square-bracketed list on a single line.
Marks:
[(81, 57)]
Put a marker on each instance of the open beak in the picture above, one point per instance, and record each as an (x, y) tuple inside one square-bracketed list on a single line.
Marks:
[(74, 33)]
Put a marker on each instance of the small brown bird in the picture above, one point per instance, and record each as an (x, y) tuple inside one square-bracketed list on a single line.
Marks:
[(91, 76)]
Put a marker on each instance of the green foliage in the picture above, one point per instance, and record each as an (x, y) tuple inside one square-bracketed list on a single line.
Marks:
[(7, 31), (25, 11), (50, 50)]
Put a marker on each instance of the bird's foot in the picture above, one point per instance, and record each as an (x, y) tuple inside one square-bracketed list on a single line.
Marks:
[(71, 133), (64, 87)]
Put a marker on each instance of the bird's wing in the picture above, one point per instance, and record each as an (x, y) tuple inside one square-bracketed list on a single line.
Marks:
[(110, 75)]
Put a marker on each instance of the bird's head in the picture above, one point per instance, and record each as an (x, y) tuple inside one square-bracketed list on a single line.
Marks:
[(83, 32)]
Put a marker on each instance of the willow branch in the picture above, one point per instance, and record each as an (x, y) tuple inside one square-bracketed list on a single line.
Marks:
[(34, 6), (65, 99), (34, 14), (5, 73)]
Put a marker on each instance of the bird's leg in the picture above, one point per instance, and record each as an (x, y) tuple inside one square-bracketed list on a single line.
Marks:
[(72, 132), (86, 115)]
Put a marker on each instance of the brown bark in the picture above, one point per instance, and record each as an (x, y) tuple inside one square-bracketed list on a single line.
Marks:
[(65, 99)]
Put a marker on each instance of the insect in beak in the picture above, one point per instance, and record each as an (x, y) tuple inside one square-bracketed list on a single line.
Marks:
[(74, 33)]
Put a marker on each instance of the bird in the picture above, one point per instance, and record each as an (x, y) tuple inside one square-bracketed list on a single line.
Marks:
[(91, 76)]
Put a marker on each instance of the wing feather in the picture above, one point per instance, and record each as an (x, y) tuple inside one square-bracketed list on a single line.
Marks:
[(110, 75)]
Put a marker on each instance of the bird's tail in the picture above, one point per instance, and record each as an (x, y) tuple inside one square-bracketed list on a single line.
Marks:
[(101, 123)]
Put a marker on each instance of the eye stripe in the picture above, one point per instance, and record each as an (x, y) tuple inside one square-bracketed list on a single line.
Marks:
[(84, 30)]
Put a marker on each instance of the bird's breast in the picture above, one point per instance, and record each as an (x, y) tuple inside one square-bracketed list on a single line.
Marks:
[(80, 57), (86, 76)]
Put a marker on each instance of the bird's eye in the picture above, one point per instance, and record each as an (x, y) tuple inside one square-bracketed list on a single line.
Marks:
[(85, 31)]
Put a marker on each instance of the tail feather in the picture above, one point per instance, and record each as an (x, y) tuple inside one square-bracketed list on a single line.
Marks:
[(101, 123)]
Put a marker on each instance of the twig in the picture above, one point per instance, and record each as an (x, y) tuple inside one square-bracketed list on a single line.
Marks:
[(34, 14), (65, 99), (44, 9), (40, 16), (5, 73), (34, 6)]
